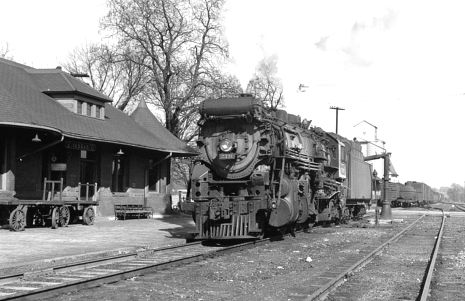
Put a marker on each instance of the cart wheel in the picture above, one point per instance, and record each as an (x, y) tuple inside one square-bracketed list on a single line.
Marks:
[(17, 220), (64, 216), (55, 217), (88, 216)]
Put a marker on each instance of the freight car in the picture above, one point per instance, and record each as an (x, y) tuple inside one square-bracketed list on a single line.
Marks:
[(407, 196), (401, 195), (262, 170), (411, 194), (425, 195)]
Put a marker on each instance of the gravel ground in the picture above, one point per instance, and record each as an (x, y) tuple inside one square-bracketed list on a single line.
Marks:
[(290, 269), (449, 278), (395, 274)]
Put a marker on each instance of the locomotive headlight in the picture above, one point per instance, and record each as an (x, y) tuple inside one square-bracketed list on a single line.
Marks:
[(226, 145)]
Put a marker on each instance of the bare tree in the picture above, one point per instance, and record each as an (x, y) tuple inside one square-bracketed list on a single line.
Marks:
[(4, 51), (133, 78), (266, 85), (111, 70), (456, 193), (96, 61), (181, 42), (180, 171), (222, 85)]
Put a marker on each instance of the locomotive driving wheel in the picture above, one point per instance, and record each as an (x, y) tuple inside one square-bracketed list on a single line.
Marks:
[(65, 216), (88, 216), (17, 220), (55, 217)]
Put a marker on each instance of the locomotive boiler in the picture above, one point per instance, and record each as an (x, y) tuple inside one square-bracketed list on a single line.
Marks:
[(261, 170)]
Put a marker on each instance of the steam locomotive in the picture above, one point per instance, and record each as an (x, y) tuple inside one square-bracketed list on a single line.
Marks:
[(263, 170)]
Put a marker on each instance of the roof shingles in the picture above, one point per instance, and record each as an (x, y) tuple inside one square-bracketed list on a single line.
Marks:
[(23, 102)]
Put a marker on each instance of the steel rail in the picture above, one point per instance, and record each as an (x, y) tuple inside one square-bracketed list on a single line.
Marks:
[(323, 291), (460, 207), (79, 265), (97, 280), (425, 289), (91, 262)]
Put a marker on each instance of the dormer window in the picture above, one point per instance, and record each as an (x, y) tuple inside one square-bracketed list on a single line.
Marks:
[(83, 108), (79, 107), (102, 112), (93, 111), (89, 110), (72, 93)]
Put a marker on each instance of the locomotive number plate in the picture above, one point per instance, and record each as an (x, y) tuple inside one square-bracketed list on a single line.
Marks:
[(227, 156)]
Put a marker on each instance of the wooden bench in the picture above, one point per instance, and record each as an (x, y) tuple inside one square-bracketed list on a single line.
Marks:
[(124, 211)]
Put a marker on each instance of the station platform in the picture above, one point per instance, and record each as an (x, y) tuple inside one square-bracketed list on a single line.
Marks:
[(39, 248)]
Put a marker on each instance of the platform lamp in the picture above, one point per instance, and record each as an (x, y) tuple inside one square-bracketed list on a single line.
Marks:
[(36, 139), (120, 152)]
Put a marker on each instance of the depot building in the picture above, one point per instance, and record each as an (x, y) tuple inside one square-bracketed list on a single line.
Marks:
[(54, 126)]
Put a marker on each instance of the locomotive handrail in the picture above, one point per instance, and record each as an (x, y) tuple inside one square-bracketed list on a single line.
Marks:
[(229, 181), (212, 117)]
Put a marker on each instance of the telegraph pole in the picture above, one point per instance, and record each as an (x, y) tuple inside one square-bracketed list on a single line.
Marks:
[(337, 115)]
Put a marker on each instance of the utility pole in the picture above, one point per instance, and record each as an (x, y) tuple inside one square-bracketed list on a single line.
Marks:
[(337, 115)]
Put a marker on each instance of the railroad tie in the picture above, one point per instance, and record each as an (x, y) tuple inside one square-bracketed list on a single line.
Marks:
[(43, 283), (63, 278), (19, 288)]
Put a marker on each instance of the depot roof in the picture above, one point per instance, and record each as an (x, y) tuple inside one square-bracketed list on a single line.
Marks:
[(26, 100)]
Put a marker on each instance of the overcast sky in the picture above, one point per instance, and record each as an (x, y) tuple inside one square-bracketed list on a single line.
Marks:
[(398, 64)]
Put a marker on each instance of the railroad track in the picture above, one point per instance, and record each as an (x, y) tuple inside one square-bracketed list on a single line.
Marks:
[(426, 284), (460, 207), (91, 273), (330, 288), (448, 280)]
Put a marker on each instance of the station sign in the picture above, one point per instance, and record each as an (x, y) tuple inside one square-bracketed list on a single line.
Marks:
[(83, 146), (58, 166)]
